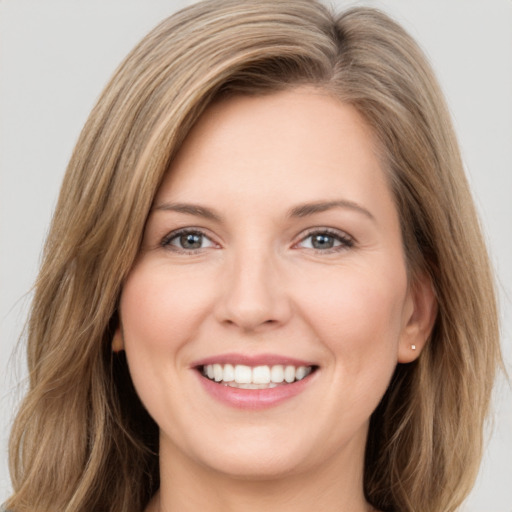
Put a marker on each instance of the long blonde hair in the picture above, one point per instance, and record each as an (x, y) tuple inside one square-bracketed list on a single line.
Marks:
[(82, 440)]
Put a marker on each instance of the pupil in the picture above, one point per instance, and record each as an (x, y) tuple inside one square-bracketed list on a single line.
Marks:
[(191, 241), (322, 242)]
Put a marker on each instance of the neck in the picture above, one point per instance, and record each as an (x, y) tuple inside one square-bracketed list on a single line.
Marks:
[(187, 486)]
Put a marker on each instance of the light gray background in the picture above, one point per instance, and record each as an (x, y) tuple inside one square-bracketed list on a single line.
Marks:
[(55, 57)]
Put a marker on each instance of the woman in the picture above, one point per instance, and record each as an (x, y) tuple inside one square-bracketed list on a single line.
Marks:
[(259, 286)]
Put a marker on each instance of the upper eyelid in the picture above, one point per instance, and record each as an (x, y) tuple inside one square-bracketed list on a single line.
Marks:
[(346, 241), (297, 239), (331, 231), (177, 232)]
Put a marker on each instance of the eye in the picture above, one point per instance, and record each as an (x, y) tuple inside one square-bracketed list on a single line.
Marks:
[(326, 240), (187, 240)]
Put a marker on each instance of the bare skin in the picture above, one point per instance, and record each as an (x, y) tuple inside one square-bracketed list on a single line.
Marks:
[(274, 235)]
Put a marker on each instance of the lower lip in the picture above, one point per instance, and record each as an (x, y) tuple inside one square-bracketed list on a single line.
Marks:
[(254, 399)]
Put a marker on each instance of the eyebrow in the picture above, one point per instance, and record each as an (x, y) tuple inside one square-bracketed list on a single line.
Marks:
[(302, 210), (306, 209), (189, 209)]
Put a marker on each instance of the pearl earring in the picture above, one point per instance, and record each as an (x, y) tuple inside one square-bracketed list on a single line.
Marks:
[(413, 347)]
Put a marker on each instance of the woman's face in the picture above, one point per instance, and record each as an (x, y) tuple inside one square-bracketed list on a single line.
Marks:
[(273, 253)]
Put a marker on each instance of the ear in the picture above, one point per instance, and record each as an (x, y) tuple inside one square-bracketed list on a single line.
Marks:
[(420, 315), (117, 340)]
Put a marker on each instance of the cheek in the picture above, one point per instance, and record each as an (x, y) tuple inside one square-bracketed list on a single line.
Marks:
[(159, 311), (359, 317), (160, 314)]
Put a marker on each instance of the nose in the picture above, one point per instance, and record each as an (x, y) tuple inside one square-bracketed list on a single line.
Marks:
[(254, 295)]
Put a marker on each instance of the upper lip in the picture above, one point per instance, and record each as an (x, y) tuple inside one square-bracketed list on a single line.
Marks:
[(251, 360)]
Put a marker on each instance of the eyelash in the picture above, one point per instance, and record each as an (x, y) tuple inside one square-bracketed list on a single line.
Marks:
[(345, 241), (167, 241)]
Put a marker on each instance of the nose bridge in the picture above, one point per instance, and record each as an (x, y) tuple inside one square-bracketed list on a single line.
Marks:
[(254, 292)]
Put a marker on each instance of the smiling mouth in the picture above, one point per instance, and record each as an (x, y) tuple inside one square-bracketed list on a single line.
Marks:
[(255, 377)]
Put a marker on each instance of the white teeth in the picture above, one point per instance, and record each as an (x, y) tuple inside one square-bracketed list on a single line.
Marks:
[(261, 375), (301, 372), (258, 377), (289, 373), (243, 374), (229, 373), (277, 373), (217, 372), (250, 386)]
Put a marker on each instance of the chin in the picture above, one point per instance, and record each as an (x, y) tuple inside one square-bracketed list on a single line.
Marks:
[(250, 454), (259, 468)]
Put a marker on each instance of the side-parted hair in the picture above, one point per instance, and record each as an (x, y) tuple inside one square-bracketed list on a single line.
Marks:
[(82, 441)]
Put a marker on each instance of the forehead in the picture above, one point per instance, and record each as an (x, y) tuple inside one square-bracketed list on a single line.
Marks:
[(277, 150), (300, 137)]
